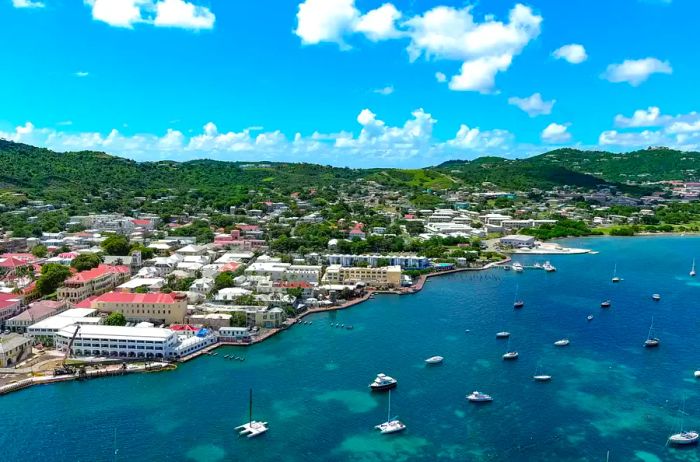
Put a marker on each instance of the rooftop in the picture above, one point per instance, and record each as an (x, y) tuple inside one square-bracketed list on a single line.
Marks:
[(111, 332), (125, 297)]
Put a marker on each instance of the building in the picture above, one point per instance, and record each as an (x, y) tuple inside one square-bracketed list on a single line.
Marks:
[(95, 281), (212, 320), (384, 276), (10, 306), (14, 348), (517, 240), (116, 341), (153, 307), (37, 311), (235, 334), (404, 261), (46, 330), (148, 284)]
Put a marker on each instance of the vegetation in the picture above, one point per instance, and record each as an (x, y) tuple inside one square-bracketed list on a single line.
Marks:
[(86, 261), (562, 228), (52, 276), (115, 319), (116, 245), (39, 251)]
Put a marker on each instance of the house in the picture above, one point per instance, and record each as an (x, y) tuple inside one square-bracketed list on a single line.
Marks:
[(37, 311), (10, 305), (149, 284), (91, 282), (231, 294), (235, 334), (357, 232), (517, 241), (14, 348), (202, 286)]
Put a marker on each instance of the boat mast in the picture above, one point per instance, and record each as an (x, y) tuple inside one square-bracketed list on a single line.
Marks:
[(250, 407), (388, 412)]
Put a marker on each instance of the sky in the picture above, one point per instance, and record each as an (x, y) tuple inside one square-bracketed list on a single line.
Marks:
[(359, 83)]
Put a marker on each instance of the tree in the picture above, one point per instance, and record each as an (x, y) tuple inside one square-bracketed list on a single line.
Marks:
[(115, 318), (238, 319), (146, 252), (295, 292), (116, 245), (52, 276), (39, 251), (86, 261), (223, 280)]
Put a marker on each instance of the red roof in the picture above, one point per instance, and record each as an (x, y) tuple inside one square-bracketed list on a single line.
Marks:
[(125, 297), (231, 266), (87, 303), (183, 328), (293, 284), (248, 227), (9, 301), (101, 270), (12, 262), (141, 222)]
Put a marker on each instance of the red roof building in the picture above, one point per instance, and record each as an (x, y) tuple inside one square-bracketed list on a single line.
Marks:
[(95, 281)]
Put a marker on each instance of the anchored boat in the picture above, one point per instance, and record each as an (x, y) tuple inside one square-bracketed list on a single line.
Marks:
[(252, 428)]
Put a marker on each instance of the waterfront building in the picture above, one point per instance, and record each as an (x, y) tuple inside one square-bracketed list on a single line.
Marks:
[(517, 240), (92, 282), (47, 328), (404, 261), (37, 311), (14, 348), (235, 334), (385, 276), (155, 307)]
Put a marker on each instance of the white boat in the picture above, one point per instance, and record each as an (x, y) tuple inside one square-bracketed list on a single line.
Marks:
[(503, 334), (517, 303), (692, 269), (561, 343), (656, 297), (605, 304), (383, 382), (539, 377), (615, 277), (590, 317), (518, 267), (549, 267), (683, 438), (434, 360), (478, 397), (391, 425), (252, 428), (651, 341), (510, 355), (697, 374)]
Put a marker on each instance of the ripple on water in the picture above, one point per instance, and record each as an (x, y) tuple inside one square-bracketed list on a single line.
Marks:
[(355, 401), (375, 447), (206, 453)]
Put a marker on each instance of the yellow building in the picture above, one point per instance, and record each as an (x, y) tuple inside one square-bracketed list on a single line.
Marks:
[(383, 276), (152, 307)]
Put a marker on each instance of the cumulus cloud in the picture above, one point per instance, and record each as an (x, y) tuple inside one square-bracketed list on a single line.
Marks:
[(637, 71), (556, 133), (27, 4), (484, 47), (534, 105), (681, 131), (573, 53), (376, 143), (386, 91), (82, 74), (160, 13)]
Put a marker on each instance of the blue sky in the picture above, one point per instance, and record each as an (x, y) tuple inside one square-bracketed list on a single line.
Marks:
[(348, 82)]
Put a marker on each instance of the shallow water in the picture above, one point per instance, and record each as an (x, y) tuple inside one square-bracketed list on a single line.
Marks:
[(608, 393)]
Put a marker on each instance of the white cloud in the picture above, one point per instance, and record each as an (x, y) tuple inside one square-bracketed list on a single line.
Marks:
[(376, 143), (556, 133), (650, 117), (636, 139), (159, 13), (573, 53), (386, 91), (27, 4), (637, 71), (82, 74), (681, 131), (380, 23), (440, 77), (485, 47), (179, 13), (534, 105)]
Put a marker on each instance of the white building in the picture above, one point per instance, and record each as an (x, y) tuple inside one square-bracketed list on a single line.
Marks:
[(49, 327)]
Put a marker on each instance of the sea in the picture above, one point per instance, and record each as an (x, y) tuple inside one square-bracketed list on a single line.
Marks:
[(609, 398)]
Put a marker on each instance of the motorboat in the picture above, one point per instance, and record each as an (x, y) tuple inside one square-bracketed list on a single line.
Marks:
[(542, 378), (590, 317), (684, 438), (692, 269), (651, 341), (252, 428), (605, 304), (518, 267), (518, 304), (507, 267), (510, 355), (562, 343), (548, 267), (697, 374), (434, 360), (656, 297), (478, 397), (391, 425), (615, 277), (503, 334), (383, 382)]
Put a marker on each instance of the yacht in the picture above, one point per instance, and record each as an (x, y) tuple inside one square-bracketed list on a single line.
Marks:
[(605, 304), (510, 355), (518, 267), (503, 334), (383, 382), (252, 428), (517, 303), (615, 277), (684, 438), (561, 343), (651, 341), (478, 397), (692, 269), (656, 297), (697, 374), (590, 317), (539, 377), (391, 425), (549, 267), (434, 360)]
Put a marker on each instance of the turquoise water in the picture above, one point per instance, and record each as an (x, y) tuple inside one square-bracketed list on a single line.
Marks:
[(310, 382)]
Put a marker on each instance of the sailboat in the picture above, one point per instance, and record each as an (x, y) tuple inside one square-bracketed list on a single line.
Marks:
[(517, 304), (683, 438), (252, 427), (651, 341), (539, 377), (615, 277), (391, 425), (692, 269), (510, 355)]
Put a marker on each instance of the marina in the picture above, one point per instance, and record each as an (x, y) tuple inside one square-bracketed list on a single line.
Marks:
[(306, 382)]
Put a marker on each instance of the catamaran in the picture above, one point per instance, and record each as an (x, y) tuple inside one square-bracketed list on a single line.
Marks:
[(692, 269), (391, 425), (253, 427), (651, 341)]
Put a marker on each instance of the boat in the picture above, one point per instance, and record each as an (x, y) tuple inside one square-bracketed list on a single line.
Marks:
[(503, 334), (656, 297), (615, 277), (383, 382), (539, 377), (590, 317), (561, 343), (391, 425), (697, 374), (349, 327), (651, 341), (478, 397), (517, 303), (692, 269), (252, 428), (537, 265), (518, 267), (510, 355), (548, 267), (507, 267), (605, 304), (434, 360), (683, 438)]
